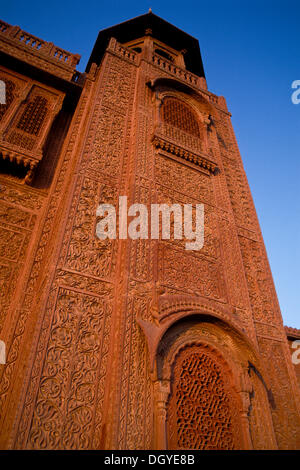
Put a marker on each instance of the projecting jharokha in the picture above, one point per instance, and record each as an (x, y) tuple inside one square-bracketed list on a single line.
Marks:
[(132, 342)]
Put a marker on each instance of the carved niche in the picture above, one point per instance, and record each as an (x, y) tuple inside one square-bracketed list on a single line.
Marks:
[(205, 392), (183, 118)]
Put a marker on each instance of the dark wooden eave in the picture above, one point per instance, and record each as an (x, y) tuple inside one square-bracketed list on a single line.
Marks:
[(161, 30)]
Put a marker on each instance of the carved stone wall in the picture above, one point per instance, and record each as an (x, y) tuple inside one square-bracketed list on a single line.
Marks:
[(31, 106), (90, 315), (285, 413), (84, 277), (269, 329), (19, 210)]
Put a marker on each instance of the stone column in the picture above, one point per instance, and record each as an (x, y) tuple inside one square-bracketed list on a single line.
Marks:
[(161, 395), (246, 390)]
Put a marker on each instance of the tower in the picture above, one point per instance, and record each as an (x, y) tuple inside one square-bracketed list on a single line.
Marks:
[(122, 343)]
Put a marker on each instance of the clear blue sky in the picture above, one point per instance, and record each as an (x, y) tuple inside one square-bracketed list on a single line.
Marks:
[(250, 51)]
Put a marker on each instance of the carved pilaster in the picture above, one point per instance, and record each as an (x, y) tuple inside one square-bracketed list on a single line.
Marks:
[(161, 395)]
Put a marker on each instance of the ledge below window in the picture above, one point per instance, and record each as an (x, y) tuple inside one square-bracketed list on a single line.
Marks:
[(195, 158)]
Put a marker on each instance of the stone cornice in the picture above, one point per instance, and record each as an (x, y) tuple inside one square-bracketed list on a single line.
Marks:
[(195, 158), (292, 332)]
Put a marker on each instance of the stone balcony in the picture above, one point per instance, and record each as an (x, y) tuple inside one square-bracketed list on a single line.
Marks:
[(183, 145), (174, 70), (183, 74)]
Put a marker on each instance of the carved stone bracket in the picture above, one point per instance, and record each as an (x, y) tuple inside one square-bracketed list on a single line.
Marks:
[(26, 160)]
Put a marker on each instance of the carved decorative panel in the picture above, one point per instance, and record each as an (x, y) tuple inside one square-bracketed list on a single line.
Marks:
[(71, 383), (18, 212), (95, 257), (201, 412), (179, 115), (183, 179), (211, 245), (286, 418), (260, 294), (191, 272), (241, 201), (33, 116), (25, 315)]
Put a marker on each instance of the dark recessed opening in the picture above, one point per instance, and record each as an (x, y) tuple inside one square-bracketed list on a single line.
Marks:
[(164, 54), (12, 168)]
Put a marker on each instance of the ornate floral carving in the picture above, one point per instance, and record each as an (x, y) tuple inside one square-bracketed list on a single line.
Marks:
[(260, 294), (285, 414), (88, 382), (30, 199), (205, 277), (97, 256), (74, 366), (186, 180)]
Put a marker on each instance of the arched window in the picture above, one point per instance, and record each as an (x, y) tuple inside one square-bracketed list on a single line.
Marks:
[(201, 411), (180, 115)]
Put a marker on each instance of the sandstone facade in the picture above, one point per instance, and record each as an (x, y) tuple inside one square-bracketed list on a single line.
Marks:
[(132, 344)]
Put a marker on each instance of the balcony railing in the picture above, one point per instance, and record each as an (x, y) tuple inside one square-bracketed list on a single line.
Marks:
[(122, 51), (181, 144), (36, 44), (183, 74), (164, 64), (177, 136)]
